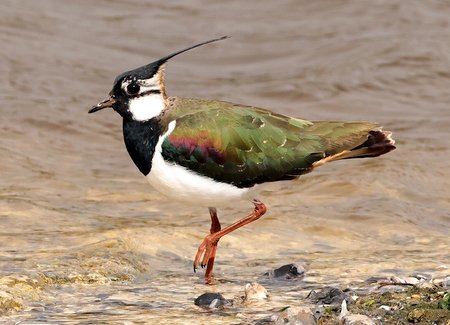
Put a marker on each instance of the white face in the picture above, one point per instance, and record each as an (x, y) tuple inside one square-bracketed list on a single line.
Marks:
[(144, 97), (146, 107)]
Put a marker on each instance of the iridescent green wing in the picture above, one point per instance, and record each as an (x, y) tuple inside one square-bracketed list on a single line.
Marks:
[(244, 145)]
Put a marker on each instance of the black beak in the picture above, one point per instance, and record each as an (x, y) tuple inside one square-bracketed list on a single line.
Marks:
[(108, 102)]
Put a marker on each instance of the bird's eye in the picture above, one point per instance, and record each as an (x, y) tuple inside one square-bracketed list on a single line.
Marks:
[(133, 88)]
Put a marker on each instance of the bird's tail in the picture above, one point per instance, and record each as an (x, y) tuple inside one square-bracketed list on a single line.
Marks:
[(378, 143)]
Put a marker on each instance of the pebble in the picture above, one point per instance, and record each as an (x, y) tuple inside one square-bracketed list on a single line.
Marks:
[(211, 300), (375, 279), (255, 291), (385, 307), (392, 288), (425, 285), (441, 281), (404, 280), (328, 296), (415, 315), (345, 318), (318, 312), (295, 316), (401, 284), (288, 271), (421, 276)]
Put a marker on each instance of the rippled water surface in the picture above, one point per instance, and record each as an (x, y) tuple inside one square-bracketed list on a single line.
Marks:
[(84, 239)]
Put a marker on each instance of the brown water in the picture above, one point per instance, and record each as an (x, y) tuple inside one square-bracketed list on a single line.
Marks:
[(83, 237)]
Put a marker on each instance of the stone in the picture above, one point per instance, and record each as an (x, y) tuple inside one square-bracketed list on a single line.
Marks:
[(295, 316), (404, 280), (255, 291), (211, 300), (328, 296), (415, 315), (288, 271), (345, 318)]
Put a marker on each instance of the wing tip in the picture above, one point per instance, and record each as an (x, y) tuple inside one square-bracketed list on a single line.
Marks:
[(378, 143)]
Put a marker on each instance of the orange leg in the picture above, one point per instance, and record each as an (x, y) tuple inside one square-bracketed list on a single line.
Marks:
[(208, 247), (215, 227)]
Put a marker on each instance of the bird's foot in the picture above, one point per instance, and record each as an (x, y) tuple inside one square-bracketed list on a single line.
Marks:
[(206, 252), (207, 249)]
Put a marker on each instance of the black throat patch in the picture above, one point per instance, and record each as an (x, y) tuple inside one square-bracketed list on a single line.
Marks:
[(141, 139)]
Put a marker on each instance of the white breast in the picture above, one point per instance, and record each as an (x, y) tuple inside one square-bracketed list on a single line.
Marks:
[(178, 183)]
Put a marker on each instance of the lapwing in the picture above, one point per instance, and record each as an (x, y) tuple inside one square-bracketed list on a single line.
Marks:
[(214, 153)]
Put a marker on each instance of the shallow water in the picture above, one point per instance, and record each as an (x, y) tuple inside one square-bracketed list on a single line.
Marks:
[(84, 239)]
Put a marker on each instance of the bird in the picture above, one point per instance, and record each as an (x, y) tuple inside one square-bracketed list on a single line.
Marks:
[(214, 153)]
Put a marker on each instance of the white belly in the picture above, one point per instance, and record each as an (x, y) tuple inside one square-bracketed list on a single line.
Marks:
[(178, 183)]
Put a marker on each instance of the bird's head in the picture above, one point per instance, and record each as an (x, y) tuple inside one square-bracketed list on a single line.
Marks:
[(140, 94)]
